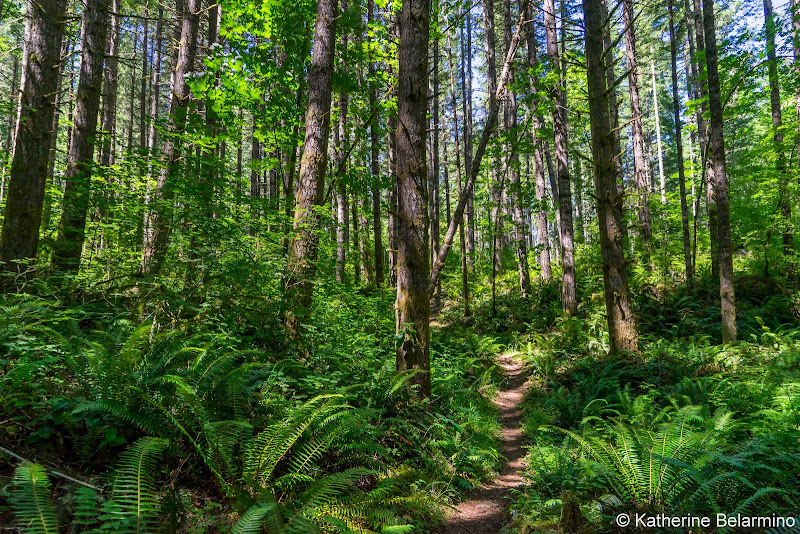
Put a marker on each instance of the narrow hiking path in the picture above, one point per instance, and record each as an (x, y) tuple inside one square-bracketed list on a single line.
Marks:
[(487, 509)]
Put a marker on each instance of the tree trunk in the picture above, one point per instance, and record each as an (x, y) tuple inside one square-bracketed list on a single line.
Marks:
[(461, 232), (466, 103), (44, 28), (71, 232), (375, 170), (676, 109), (515, 185), (777, 132), (154, 107), (340, 137), (301, 265), (496, 186), (413, 295), (157, 235), (796, 42), (640, 179), (391, 220), (717, 142), (433, 186), (110, 86), (662, 181), (542, 234), (566, 230), (143, 82), (619, 310), (705, 147)]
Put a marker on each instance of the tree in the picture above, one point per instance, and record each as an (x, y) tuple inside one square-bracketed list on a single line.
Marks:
[(640, 179), (619, 310), (717, 142), (566, 229), (303, 250), (542, 234), (44, 29), (777, 131), (157, 233), (687, 252), (515, 185), (413, 296), (71, 231)]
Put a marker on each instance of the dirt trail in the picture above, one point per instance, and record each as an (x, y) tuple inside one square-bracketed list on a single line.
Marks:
[(487, 510)]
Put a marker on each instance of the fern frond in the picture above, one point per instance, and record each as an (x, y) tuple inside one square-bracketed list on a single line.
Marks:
[(31, 501)]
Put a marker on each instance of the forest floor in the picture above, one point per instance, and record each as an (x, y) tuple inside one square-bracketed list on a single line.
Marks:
[(486, 510)]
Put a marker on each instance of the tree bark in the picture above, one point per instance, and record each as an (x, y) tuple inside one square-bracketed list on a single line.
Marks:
[(71, 232), (466, 103), (110, 87), (340, 137), (662, 181), (433, 186), (621, 323), (566, 229), (413, 296), (375, 170), (542, 234), (515, 185), (461, 233), (705, 143), (717, 141), (640, 179), (157, 235), (303, 250), (687, 252), (44, 29), (777, 132)]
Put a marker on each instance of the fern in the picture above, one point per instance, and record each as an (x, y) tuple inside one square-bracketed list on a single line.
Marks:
[(30, 499), (134, 504)]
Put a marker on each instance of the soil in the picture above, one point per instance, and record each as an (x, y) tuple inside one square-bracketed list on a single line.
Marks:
[(486, 511)]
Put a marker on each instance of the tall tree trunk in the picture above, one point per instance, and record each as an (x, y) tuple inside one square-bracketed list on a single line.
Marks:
[(676, 109), (640, 179), (157, 235), (466, 102), (364, 246), (542, 226), (143, 81), (777, 131), (375, 169), (71, 232), (461, 232), (301, 265), (619, 310), (717, 142), (129, 145), (413, 297), (110, 86), (795, 10), (515, 185), (433, 186), (44, 28), (155, 93), (391, 219), (340, 137), (566, 230), (662, 181), (705, 143), (13, 94), (496, 186)]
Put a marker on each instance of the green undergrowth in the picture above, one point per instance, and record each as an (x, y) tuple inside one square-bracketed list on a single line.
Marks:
[(184, 414), (686, 427)]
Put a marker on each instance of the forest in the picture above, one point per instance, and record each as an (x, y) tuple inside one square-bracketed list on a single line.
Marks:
[(392, 266)]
